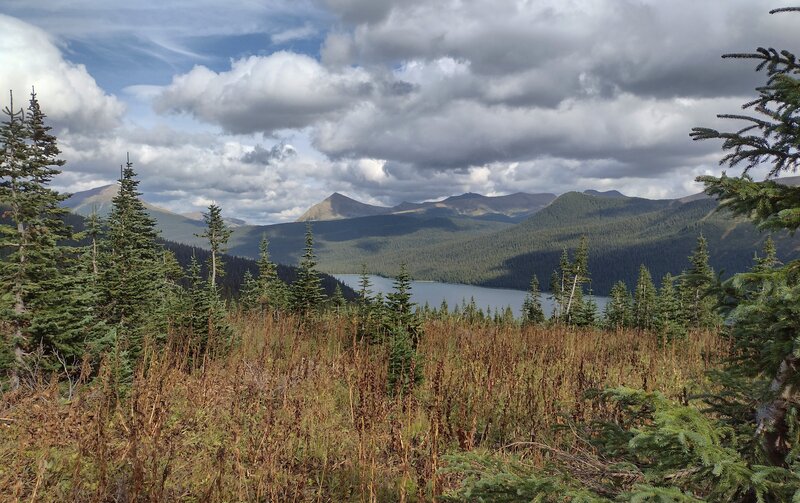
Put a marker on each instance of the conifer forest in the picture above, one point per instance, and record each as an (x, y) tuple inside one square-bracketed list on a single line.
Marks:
[(139, 366)]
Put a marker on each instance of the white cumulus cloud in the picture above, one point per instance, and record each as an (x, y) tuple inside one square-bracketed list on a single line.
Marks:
[(265, 93), (29, 57)]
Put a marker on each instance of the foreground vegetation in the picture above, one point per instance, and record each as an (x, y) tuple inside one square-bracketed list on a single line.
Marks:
[(301, 412)]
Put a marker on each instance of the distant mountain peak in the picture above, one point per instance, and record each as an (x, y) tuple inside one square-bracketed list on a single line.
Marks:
[(606, 193), (338, 206), (466, 195), (511, 207), (339, 196)]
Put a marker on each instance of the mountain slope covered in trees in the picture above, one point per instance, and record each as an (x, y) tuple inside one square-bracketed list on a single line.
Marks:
[(622, 233)]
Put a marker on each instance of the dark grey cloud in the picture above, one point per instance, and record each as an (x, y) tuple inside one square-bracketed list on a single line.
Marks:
[(265, 157), (360, 11)]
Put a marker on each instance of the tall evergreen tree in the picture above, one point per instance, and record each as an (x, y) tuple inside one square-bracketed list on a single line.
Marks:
[(93, 232), (645, 308), (217, 233), (200, 307), (695, 288), (671, 315), (585, 313), (173, 300), (400, 309), (769, 260), (338, 302), (131, 271), (404, 329), (306, 291), (532, 313), (30, 270), (580, 273), (249, 293), (370, 324), (272, 291), (619, 310), (365, 286)]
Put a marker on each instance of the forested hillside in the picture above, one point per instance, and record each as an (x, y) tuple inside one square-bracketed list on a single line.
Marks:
[(622, 233)]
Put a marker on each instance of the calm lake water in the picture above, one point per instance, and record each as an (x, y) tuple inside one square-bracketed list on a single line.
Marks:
[(434, 293)]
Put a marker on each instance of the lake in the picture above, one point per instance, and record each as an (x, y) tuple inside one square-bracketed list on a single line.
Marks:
[(434, 293)]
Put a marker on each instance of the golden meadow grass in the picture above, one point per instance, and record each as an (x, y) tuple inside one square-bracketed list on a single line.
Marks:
[(299, 412)]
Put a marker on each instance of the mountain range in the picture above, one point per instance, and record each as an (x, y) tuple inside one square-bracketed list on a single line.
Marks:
[(513, 207), (493, 241)]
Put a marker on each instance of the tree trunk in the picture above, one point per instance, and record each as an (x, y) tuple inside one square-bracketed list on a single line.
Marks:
[(771, 416), (571, 295), (19, 308), (94, 259), (213, 268)]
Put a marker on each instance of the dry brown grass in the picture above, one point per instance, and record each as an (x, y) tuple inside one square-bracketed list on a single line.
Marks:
[(301, 413)]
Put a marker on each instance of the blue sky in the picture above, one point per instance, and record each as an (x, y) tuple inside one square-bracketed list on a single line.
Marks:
[(266, 107)]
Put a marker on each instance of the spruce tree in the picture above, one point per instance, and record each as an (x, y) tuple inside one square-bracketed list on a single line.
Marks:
[(200, 308), (306, 291), (585, 314), (364, 284), (564, 274), (400, 309), (370, 325), (580, 274), (769, 260), (405, 332), (695, 288), (671, 322), (249, 293), (619, 310), (30, 269), (272, 291), (532, 313), (173, 299), (93, 232), (645, 301), (217, 233), (216, 332), (338, 302), (130, 269)]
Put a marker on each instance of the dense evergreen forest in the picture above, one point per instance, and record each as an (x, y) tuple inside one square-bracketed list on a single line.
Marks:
[(131, 371)]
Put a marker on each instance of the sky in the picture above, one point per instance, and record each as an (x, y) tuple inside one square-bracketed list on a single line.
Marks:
[(266, 107)]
